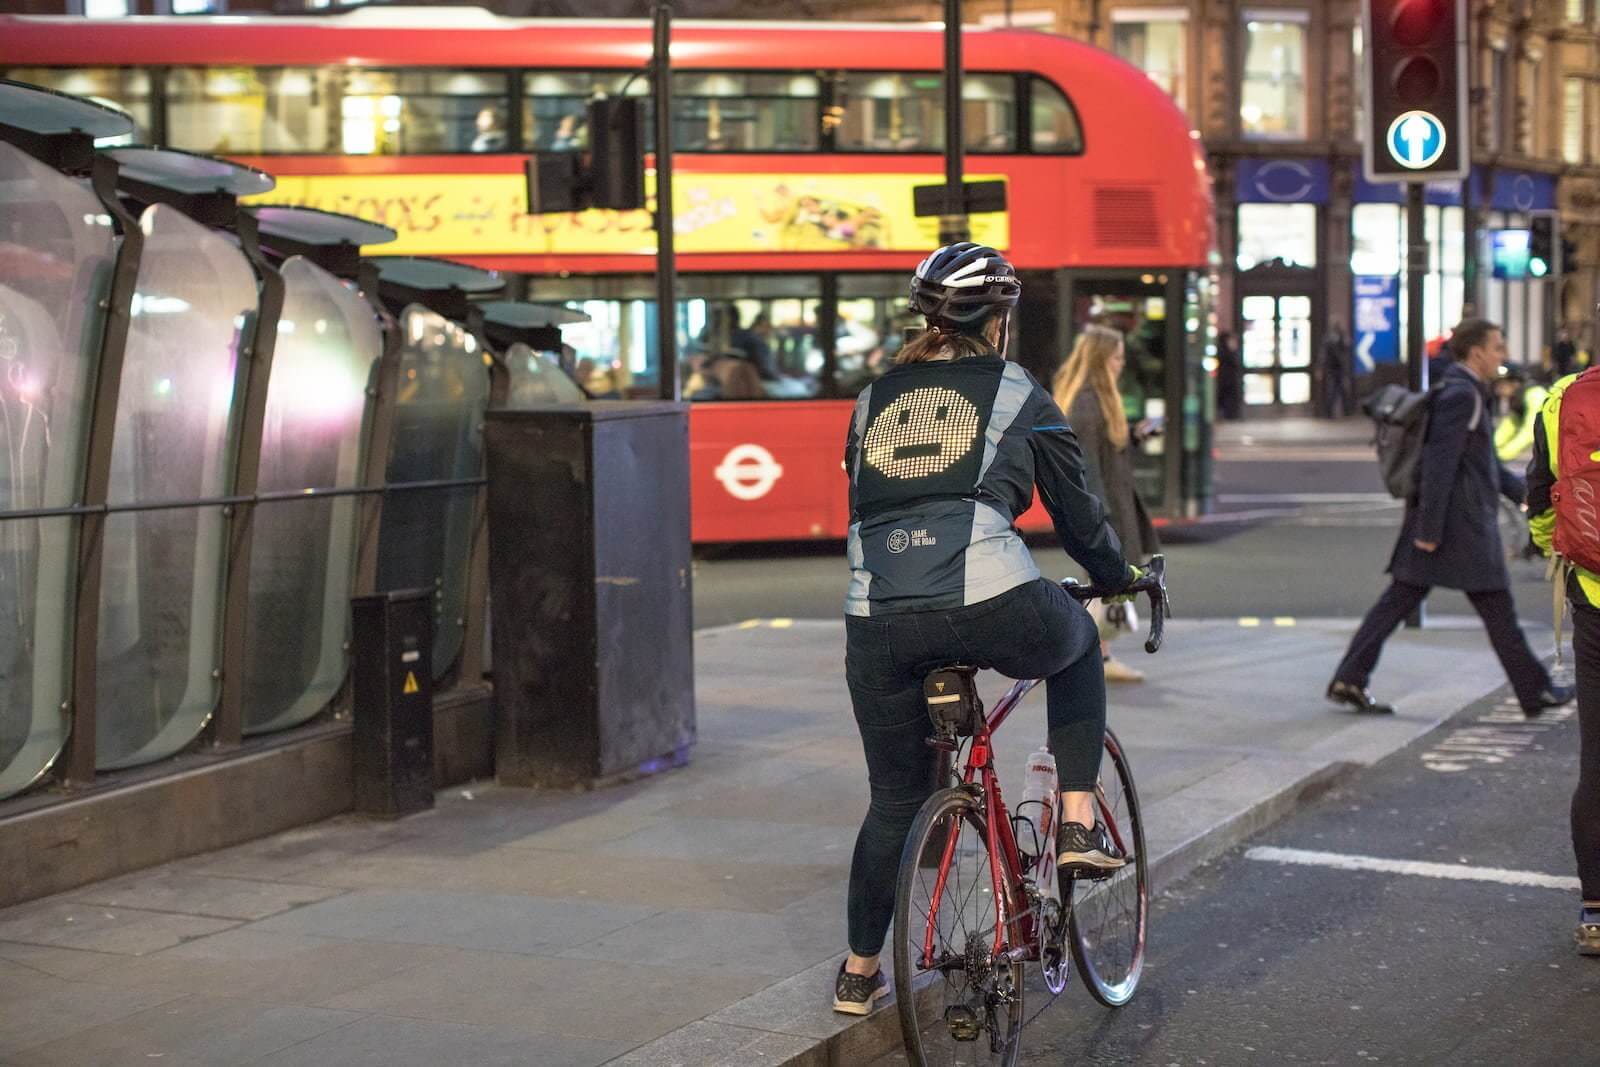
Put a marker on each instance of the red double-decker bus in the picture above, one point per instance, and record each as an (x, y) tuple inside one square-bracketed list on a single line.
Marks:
[(798, 147)]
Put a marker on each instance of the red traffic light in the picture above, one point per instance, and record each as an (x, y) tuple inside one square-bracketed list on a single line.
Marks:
[(1416, 22)]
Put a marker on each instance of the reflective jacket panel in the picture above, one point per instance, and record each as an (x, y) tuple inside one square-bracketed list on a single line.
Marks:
[(942, 458)]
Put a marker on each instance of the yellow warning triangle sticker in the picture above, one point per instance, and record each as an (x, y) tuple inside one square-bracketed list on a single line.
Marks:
[(411, 685)]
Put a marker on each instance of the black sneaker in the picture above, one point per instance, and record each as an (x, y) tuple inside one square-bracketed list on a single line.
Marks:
[(1357, 698), (1080, 850), (855, 994), (1554, 696)]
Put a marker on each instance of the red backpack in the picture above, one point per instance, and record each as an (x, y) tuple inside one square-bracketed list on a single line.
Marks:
[(1576, 494)]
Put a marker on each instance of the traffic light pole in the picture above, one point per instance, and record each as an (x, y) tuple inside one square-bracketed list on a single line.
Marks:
[(666, 263), (1416, 336), (1416, 272), (953, 224)]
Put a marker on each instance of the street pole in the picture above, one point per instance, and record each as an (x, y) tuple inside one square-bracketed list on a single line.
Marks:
[(1416, 336), (1469, 249), (953, 224), (666, 265), (1416, 272)]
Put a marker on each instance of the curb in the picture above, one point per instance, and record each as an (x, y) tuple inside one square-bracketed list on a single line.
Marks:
[(752, 1030)]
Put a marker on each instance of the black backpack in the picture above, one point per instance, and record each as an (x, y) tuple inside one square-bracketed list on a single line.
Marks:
[(1400, 425)]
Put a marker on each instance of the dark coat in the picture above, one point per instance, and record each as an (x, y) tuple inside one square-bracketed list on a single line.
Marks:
[(1458, 501), (1110, 474)]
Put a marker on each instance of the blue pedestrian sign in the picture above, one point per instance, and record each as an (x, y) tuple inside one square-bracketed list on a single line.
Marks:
[(1416, 139), (1377, 321)]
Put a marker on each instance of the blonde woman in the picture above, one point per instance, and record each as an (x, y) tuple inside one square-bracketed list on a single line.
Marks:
[(1085, 388)]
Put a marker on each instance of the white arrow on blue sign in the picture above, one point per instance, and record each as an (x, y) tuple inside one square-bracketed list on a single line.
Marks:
[(1416, 139)]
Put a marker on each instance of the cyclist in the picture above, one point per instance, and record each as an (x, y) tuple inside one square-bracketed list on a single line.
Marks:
[(943, 453)]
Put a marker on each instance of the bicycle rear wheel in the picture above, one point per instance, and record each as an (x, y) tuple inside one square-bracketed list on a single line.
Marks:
[(1110, 915), (959, 1005)]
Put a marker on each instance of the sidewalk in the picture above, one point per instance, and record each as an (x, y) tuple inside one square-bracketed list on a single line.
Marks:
[(694, 918)]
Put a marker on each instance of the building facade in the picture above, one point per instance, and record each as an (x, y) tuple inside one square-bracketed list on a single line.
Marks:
[(1274, 88)]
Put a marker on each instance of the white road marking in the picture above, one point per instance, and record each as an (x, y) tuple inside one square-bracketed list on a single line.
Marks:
[(1453, 872), (1307, 498)]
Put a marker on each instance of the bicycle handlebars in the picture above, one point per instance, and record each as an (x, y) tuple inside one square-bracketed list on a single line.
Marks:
[(1154, 582)]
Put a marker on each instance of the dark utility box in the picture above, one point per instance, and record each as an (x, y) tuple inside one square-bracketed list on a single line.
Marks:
[(393, 666), (589, 591)]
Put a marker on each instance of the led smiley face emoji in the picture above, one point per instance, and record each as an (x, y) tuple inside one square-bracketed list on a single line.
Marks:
[(926, 431)]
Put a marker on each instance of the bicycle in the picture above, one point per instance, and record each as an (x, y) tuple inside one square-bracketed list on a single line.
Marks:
[(961, 942)]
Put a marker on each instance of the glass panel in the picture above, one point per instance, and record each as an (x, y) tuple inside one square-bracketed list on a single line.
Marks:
[(1258, 389), (892, 112), (537, 379), (303, 552), (751, 341), (1138, 311), (245, 110), (1054, 121), (1294, 389), (160, 599), (745, 112), (1378, 239), (1572, 120), (1282, 235), (1273, 97), (123, 88), (555, 111), (1156, 46), (1575, 11), (873, 318), (420, 111), (1294, 331), (1260, 331), (427, 534), (54, 270)]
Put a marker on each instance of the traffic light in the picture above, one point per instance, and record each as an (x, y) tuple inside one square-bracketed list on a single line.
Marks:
[(1541, 255), (1416, 82)]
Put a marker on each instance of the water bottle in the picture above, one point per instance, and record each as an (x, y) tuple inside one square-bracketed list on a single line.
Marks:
[(1036, 819)]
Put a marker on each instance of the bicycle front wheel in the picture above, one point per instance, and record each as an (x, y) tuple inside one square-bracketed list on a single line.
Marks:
[(1110, 915), (960, 1005)]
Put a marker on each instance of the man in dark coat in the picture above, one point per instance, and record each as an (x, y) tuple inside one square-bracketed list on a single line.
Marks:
[(1451, 536)]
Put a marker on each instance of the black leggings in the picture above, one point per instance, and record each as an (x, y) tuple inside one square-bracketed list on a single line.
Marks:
[(1032, 631), (1586, 798)]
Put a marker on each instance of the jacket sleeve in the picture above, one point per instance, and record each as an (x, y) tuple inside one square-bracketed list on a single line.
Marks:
[(1078, 515), (852, 443), (1512, 487), (1448, 425), (1541, 515)]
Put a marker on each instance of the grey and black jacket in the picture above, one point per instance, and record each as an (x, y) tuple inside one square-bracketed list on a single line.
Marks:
[(943, 457)]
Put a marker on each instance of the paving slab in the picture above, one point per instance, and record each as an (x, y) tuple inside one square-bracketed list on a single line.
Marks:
[(692, 918)]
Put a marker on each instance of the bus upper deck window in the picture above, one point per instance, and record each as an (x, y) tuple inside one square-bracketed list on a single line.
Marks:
[(124, 88), (1054, 120)]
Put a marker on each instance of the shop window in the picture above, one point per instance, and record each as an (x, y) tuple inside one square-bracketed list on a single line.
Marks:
[(1272, 101), (1155, 41), (105, 9), (1054, 121), (1572, 131), (1378, 237), (124, 88), (894, 112), (1283, 235), (1575, 11)]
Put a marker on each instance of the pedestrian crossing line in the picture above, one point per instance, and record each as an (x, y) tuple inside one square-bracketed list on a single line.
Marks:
[(1420, 868)]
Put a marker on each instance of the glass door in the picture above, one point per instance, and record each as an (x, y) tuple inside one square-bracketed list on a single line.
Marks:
[(1276, 349)]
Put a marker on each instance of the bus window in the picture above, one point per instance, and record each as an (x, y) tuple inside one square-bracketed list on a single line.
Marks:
[(555, 106), (872, 320), (739, 337), (123, 88), (417, 111), (1054, 121), (745, 112), (239, 109), (894, 112)]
